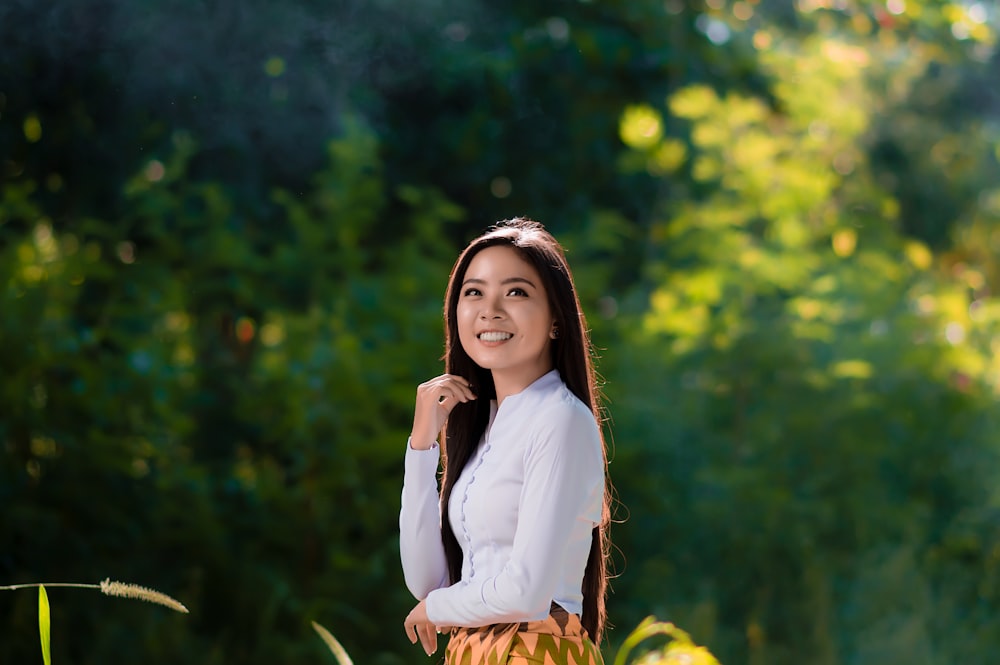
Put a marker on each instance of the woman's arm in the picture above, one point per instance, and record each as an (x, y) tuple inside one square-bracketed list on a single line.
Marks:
[(420, 547)]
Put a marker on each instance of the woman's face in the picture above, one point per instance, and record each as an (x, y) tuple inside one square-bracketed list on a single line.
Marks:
[(504, 318)]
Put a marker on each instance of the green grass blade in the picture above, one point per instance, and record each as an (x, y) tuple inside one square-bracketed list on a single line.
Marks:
[(338, 651), (44, 624)]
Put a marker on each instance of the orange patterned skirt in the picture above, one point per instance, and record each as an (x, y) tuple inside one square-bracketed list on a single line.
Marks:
[(558, 640)]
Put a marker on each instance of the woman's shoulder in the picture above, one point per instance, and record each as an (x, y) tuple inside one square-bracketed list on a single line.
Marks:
[(549, 405), (559, 397), (560, 409), (568, 402)]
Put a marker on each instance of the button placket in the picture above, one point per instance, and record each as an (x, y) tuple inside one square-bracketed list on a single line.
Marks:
[(465, 498)]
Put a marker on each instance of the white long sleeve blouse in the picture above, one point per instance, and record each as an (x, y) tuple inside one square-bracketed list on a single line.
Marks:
[(523, 511)]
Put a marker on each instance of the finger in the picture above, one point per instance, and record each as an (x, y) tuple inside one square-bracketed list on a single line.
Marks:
[(464, 382), (428, 638), (455, 379), (447, 399), (411, 633), (463, 387), (451, 394)]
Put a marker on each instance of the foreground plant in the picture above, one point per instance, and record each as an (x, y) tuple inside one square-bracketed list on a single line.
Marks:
[(339, 652), (681, 650), (44, 625), (107, 587)]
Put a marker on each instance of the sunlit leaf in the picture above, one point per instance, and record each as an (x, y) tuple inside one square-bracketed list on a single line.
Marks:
[(331, 642), (32, 128), (852, 369), (918, 254), (693, 102), (44, 625), (640, 127), (844, 241), (668, 157)]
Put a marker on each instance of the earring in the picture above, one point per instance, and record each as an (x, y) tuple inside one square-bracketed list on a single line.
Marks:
[(554, 334)]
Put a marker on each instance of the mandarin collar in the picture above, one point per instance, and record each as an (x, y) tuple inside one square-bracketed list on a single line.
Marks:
[(542, 384)]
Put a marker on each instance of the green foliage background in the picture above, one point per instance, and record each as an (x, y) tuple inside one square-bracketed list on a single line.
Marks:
[(225, 232)]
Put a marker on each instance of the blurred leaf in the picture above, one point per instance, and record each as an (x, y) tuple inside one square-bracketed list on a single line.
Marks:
[(331, 642)]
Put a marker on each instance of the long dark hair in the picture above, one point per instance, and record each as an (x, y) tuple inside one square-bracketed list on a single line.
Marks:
[(571, 355)]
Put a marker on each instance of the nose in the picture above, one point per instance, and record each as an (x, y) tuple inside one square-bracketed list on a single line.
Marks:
[(491, 310)]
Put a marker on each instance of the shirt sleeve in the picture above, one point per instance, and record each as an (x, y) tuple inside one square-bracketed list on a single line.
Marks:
[(563, 483), (420, 547)]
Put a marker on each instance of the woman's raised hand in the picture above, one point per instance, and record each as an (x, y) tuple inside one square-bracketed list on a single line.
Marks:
[(435, 400)]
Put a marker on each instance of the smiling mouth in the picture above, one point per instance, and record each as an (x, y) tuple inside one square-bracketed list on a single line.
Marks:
[(494, 336)]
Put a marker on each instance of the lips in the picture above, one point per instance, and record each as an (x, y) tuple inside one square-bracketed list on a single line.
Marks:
[(494, 336)]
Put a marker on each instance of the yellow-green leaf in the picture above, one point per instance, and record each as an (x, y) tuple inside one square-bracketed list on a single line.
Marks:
[(695, 101), (44, 624), (852, 369), (338, 651), (32, 128), (640, 127)]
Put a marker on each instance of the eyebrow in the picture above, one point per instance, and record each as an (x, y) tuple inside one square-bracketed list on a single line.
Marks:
[(509, 280)]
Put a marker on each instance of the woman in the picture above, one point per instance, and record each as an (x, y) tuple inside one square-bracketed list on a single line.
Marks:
[(510, 557)]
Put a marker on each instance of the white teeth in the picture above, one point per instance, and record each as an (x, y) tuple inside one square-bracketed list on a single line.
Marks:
[(494, 336)]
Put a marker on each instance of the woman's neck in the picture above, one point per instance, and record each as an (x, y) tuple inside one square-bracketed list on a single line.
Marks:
[(507, 385)]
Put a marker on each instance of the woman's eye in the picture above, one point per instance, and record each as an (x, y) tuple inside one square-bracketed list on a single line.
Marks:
[(471, 292), (517, 292)]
